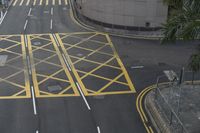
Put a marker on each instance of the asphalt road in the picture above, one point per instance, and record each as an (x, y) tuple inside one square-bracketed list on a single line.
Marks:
[(112, 110)]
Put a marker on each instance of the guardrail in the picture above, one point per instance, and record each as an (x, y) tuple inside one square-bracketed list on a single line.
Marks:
[(169, 101)]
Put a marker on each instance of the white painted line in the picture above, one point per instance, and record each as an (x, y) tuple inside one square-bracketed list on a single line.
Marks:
[(37, 131), (80, 90), (25, 24), (52, 11), (3, 18), (29, 67), (1, 15), (98, 129), (56, 40), (33, 99), (51, 24), (29, 13), (26, 41), (137, 67), (66, 62)]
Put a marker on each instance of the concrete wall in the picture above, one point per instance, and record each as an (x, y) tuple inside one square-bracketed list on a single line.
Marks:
[(125, 12)]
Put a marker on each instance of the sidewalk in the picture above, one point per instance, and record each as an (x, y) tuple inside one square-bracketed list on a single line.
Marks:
[(184, 102)]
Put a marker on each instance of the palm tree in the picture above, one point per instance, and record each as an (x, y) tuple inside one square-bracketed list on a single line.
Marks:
[(184, 25)]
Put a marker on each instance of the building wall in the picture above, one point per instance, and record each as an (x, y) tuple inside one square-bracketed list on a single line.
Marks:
[(125, 12)]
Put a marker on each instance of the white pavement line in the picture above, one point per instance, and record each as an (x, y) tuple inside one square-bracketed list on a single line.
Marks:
[(80, 90), (51, 24), (33, 99), (25, 24), (56, 40), (52, 11), (26, 41), (29, 67), (137, 67), (29, 13), (66, 62), (37, 131), (3, 17), (98, 129)]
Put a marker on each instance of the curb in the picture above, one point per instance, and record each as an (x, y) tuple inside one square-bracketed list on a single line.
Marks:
[(155, 115), (88, 27)]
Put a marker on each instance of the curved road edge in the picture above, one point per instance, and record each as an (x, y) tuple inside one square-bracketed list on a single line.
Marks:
[(88, 27)]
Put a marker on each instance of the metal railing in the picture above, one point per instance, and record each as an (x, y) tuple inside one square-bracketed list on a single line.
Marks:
[(168, 101)]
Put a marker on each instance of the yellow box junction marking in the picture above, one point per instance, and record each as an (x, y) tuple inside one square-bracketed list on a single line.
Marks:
[(101, 40), (108, 43), (19, 89), (62, 67)]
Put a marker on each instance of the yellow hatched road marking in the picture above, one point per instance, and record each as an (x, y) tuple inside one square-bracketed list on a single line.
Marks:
[(103, 77), (64, 66), (121, 64), (18, 93), (72, 66), (21, 2), (40, 2), (97, 68), (66, 2), (47, 2), (34, 2), (103, 88), (27, 3), (15, 2), (93, 62), (27, 82), (37, 92)]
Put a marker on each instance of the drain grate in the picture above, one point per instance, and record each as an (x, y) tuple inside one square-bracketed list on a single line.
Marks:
[(54, 88), (3, 59), (36, 43)]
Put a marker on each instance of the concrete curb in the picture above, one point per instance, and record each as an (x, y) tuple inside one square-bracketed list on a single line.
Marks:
[(157, 118)]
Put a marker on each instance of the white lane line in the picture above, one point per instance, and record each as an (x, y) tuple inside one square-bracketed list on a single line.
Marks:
[(137, 67), (3, 17), (29, 67), (37, 131), (33, 99), (66, 62), (51, 24), (98, 129), (56, 40), (25, 24), (26, 41), (80, 90), (29, 13), (52, 11)]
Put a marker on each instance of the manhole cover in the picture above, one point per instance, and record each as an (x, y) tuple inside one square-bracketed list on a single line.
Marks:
[(36, 43), (64, 8), (46, 11), (80, 55), (3, 59), (54, 88)]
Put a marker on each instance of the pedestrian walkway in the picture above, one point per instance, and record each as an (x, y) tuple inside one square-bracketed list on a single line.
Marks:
[(39, 2)]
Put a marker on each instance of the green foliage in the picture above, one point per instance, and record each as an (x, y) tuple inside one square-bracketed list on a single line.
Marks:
[(185, 24), (194, 63)]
